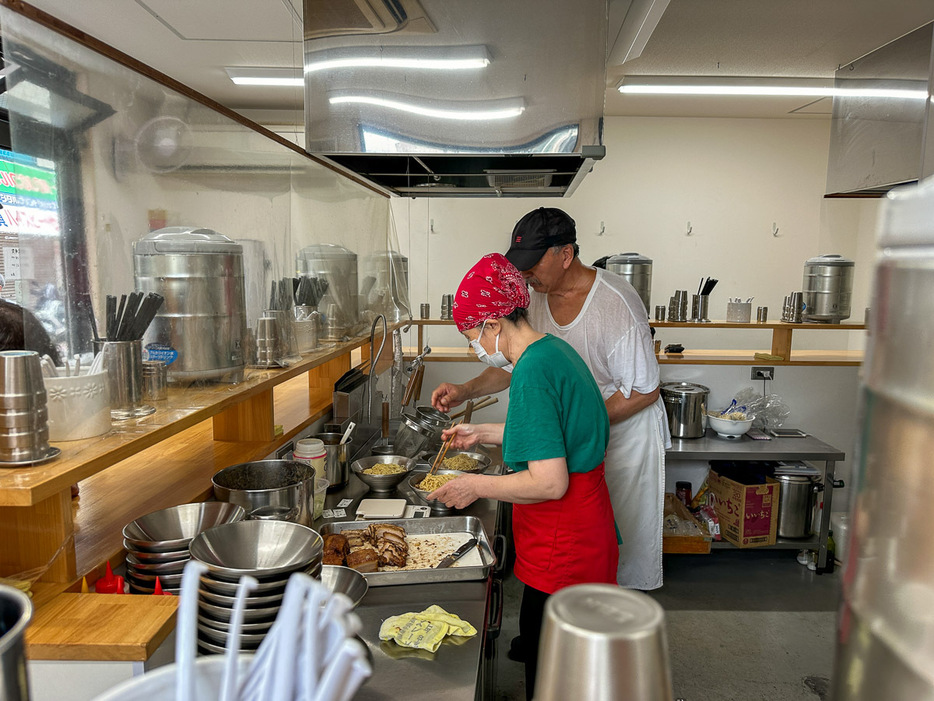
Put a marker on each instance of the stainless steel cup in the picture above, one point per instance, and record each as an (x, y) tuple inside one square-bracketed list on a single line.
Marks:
[(762, 314), (425, 310), (15, 614), (337, 462), (267, 340), (123, 361), (604, 639), (24, 418), (797, 306), (659, 312)]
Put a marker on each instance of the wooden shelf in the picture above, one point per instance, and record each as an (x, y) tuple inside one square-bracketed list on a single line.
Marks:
[(184, 408), (782, 334), (694, 357), (100, 627)]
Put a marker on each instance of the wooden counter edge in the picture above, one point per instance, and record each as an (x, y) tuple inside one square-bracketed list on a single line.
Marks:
[(49, 637)]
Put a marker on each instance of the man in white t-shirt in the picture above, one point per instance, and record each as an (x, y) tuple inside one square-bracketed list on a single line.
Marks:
[(603, 318)]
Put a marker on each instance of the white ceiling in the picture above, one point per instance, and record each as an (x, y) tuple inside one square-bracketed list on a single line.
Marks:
[(193, 42)]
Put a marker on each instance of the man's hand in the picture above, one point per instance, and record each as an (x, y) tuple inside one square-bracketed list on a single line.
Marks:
[(465, 436), (447, 396)]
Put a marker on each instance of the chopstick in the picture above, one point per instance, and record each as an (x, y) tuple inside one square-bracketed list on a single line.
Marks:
[(444, 451), (480, 404)]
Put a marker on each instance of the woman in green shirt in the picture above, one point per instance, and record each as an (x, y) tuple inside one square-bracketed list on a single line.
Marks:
[(554, 439)]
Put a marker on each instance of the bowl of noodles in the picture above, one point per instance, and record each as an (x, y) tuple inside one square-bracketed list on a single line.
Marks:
[(460, 460), (382, 473), (423, 484)]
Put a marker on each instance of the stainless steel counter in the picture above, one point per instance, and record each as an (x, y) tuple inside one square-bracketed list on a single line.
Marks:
[(454, 671)]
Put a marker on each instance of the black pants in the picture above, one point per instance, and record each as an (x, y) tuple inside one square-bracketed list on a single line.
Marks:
[(531, 615)]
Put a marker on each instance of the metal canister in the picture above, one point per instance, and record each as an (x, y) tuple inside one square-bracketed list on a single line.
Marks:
[(200, 328), (637, 269), (828, 288), (15, 615), (686, 408), (796, 506), (340, 305)]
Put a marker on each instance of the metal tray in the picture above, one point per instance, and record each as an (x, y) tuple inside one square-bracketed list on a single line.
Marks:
[(428, 526)]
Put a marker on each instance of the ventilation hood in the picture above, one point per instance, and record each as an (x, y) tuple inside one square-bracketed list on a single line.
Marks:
[(457, 97), (882, 131)]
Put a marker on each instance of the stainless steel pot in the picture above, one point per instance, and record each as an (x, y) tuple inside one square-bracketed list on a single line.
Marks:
[(384, 288), (637, 269), (686, 407), (200, 328), (340, 306), (828, 288), (15, 614), (274, 490), (796, 500)]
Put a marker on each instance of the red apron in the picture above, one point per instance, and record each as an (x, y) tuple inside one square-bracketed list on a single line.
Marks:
[(571, 540)]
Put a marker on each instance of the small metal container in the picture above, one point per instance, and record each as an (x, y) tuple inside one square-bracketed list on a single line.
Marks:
[(659, 312), (762, 314), (425, 310), (123, 361), (15, 614), (604, 639), (337, 460), (447, 305)]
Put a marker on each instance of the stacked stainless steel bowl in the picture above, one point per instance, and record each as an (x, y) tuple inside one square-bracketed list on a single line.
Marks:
[(270, 551), (157, 543), (24, 416)]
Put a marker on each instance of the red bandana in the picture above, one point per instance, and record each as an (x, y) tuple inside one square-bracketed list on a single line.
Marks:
[(491, 289)]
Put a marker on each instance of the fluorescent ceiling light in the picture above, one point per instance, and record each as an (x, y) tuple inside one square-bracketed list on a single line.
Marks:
[(445, 58), (668, 85), (473, 111), (282, 77)]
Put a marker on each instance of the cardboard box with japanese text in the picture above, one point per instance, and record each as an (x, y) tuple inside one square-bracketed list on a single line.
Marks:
[(748, 513)]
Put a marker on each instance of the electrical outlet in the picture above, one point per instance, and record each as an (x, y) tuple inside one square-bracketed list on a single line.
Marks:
[(762, 373)]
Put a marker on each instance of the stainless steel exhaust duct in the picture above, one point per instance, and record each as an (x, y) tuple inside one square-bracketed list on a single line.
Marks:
[(457, 97)]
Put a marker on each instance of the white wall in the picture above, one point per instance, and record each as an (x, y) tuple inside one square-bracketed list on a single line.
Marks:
[(731, 179)]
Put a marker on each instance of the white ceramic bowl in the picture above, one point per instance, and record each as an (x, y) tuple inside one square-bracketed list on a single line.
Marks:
[(727, 428)]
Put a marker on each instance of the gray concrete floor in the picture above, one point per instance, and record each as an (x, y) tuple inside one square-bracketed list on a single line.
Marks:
[(750, 625)]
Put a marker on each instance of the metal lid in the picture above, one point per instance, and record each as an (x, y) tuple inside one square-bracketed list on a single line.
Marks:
[(629, 258), (793, 479), (829, 259), (185, 239), (604, 612), (683, 388), (319, 251)]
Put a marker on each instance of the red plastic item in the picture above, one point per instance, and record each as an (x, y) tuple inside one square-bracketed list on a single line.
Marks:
[(109, 584), (158, 590)]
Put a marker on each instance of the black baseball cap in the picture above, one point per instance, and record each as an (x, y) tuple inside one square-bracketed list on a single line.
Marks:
[(538, 231)]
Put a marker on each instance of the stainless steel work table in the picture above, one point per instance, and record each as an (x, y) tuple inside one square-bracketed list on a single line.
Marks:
[(454, 671), (712, 447)]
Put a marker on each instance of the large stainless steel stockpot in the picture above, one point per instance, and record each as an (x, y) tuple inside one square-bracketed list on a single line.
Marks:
[(637, 269), (279, 490), (200, 328), (686, 407), (828, 288)]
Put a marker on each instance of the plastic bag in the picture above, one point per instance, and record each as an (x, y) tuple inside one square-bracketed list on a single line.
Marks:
[(770, 411)]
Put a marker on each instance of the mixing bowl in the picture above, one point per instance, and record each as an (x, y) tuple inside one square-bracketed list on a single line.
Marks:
[(382, 483), (261, 549), (172, 529), (729, 428), (416, 479), (345, 580)]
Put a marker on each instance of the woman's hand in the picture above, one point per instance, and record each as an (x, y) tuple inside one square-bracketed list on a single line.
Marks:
[(459, 493), (465, 435)]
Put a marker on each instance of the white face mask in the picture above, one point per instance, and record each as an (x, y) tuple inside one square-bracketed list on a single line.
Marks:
[(496, 359)]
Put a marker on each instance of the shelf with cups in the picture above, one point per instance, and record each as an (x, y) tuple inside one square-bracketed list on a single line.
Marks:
[(781, 345), (151, 463)]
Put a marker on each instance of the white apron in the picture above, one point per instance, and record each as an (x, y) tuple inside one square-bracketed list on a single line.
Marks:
[(635, 476)]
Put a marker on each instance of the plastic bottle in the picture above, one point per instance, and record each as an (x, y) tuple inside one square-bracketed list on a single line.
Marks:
[(311, 451)]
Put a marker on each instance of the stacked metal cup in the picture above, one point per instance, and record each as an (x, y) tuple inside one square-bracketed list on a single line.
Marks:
[(24, 416), (678, 306), (447, 307)]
